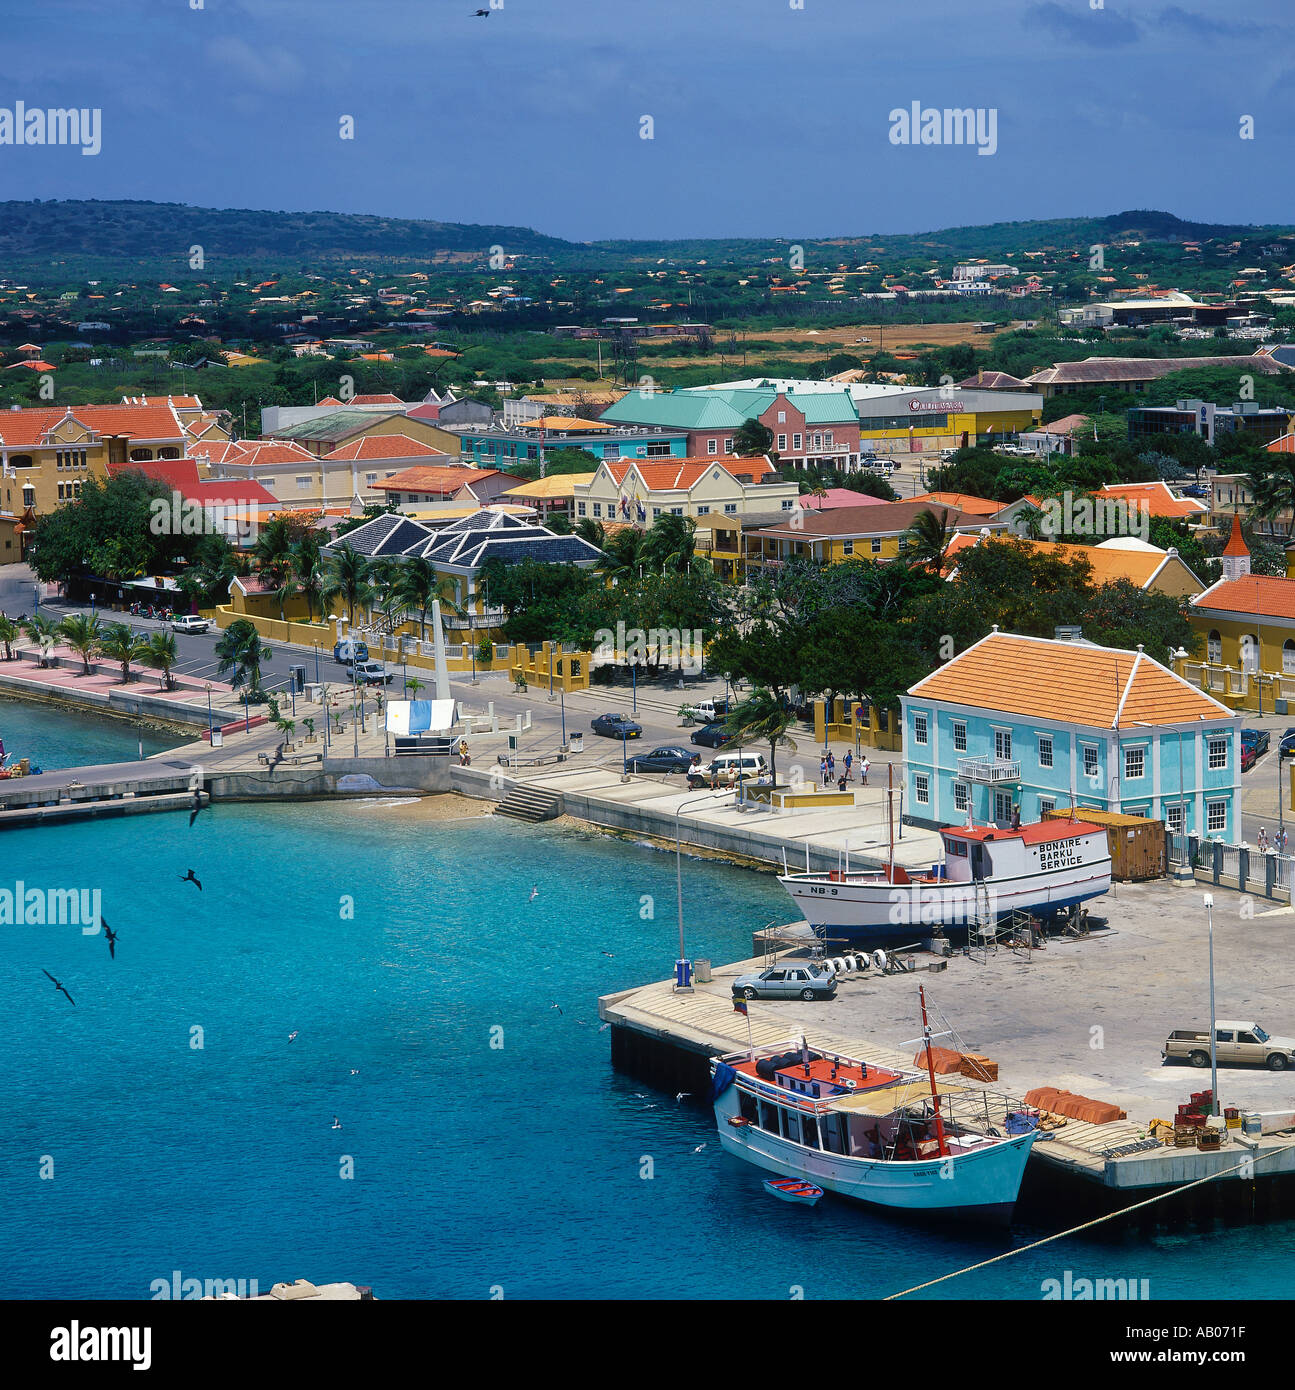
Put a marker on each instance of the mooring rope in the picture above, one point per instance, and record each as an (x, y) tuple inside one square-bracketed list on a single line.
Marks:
[(1087, 1225)]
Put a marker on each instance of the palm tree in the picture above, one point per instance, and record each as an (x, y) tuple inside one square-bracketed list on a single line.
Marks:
[(752, 438), (762, 718), (308, 567), (79, 632), (273, 554), (161, 653), (9, 632), (413, 685), (122, 645), (240, 653), (624, 554), (419, 585), (588, 529), (44, 632), (1273, 489), (928, 537), (669, 543), (386, 589), (348, 579)]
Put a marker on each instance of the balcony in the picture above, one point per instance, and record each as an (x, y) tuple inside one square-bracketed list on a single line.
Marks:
[(991, 772)]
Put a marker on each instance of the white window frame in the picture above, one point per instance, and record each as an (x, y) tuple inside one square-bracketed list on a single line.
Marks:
[(961, 796), (1138, 754), (1091, 751), (1046, 804), (1216, 742), (921, 727), (960, 735), (1216, 822), (1003, 740), (876, 545), (712, 446), (921, 788), (1047, 751), (782, 443)]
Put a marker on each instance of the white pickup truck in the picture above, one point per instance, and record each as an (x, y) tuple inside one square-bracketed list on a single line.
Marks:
[(1235, 1044)]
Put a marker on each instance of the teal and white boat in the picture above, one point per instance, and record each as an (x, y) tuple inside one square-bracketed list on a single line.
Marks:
[(894, 1139)]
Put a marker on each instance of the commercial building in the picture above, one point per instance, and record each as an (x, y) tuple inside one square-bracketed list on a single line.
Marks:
[(1136, 373), (1028, 724), (499, 446), (1209, 421)]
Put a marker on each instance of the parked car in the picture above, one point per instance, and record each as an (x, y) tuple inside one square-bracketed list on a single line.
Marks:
[(710, 736), (670, 759), (616, 726), (1196, 490), (372, 673), (1286, 748), (1248, 756), (728, 769), (1258, 737), (189, 622), (350, 649), (807, 981), (1235, 1044), (706, 710)]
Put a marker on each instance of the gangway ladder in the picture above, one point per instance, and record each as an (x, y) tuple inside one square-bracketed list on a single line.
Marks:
[(984, 934)]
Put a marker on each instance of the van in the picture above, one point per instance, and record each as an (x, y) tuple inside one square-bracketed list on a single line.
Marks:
[(350, 649), (728, 769)]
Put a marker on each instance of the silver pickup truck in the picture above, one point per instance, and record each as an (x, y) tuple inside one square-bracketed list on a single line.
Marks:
[(1235, 1044)]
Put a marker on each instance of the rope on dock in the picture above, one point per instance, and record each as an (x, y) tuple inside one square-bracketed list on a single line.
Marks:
[(1088, 1225)]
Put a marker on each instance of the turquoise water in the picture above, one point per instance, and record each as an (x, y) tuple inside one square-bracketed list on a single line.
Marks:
[(55, 738), (514, 1167)]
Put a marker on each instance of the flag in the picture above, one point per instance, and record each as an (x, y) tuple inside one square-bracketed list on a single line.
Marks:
[(641, 509), (625, 506), (739, 1007)]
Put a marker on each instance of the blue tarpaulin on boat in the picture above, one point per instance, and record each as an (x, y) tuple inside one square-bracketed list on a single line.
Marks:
[(723, 1079)]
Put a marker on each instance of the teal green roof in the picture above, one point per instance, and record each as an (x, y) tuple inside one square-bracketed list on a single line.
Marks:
[(710, 410)]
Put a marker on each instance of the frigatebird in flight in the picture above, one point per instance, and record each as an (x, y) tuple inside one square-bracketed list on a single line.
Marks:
[(59, 987)]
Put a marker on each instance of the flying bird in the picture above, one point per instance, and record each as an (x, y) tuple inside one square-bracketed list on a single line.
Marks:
[(611, 955), (681, 1095), (112, 938), (558, 1007), (190, 878), (603, 1027), (292, 1037), (699, 1148), (59, 987), (535, 892), (337, 1124), (355, 1071), (481, 14)]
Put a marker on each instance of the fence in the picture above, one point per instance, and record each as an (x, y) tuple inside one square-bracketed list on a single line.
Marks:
[(1266, 873)]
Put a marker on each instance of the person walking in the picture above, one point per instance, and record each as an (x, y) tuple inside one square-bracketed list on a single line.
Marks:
[(1263, 840), (822, 768), (1281, 840), (864, 765), (831, 764), (848, 763)]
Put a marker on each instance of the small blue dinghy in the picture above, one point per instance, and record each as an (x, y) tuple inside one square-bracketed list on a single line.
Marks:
[(793, 1190)]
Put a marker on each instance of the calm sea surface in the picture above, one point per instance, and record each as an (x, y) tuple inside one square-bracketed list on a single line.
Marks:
[(398, 948), (55, 738)]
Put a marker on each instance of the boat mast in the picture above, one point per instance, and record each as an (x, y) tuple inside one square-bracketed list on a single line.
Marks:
[(930, 1071), (890, 818)]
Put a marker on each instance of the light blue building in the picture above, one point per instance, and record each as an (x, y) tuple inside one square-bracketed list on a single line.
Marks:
[(1028, 724)]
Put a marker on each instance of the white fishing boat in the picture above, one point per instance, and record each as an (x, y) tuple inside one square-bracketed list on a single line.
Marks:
[(988, 873), (893, 1139)]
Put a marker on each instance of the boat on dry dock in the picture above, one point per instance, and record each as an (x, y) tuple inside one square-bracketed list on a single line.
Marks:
[(893, 1139), (988, 873)]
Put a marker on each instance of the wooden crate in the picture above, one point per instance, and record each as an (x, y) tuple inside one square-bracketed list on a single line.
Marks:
[(1137, 844)]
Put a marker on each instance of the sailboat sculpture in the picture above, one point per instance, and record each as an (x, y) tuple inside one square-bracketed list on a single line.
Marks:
[(893, 1139)]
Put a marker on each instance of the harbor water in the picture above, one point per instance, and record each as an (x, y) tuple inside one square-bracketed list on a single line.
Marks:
[(363, 964), (55, 738)]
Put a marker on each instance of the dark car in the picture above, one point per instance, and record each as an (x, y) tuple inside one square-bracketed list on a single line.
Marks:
[(711, 736), (1257, 739), (671, 759), (616, 726), (1196, 490), (1286, 748)]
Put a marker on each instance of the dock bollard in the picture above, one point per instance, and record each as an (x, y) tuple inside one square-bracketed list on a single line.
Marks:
[(683, 975)]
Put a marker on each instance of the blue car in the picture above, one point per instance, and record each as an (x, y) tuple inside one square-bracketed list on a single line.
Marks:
[(616, 726), (1257, 739)]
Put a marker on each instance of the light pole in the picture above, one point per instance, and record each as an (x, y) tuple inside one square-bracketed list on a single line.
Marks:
[(209, 724), (682, 972), (562, 696), (634, 685), (355, 727), (1214, 1060), (317, 681)]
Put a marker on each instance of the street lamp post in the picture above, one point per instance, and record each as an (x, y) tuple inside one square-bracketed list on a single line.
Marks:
[(562, 696), (247, 715), (317, 681), (1214, 1060), (355, 727), (209, 724), (682, 970)]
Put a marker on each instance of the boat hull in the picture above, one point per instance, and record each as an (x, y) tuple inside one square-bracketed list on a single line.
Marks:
[(980, 1185), (877, 908)]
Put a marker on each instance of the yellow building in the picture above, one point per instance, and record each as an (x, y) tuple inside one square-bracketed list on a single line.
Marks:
[(324, 434), (875, 532), (1147, 566), (46, 454), (1246, 623)]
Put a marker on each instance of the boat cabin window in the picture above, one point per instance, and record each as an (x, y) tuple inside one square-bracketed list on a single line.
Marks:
[(769, 1117), (748, 1106), (979, 861), (1223, 1035), (957, 848), (809, 1131)]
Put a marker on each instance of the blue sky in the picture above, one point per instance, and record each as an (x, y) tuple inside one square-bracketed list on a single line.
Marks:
[(768, 120)]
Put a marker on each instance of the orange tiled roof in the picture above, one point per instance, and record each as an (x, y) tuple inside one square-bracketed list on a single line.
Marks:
[(385, 398), (666, 475), (385, 446), (1236, 544), (1261, 595), (1108, 562), (1284, 445), (963, 502), (259, 451), (1036, 678), (1157, 498), (29, 426), (442, 479)]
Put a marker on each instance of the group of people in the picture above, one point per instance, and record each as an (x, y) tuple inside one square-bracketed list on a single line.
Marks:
[(827, 769), (1277, 845)]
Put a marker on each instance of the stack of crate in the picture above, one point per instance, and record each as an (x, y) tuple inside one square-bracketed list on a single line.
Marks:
[(1189, 1123), (978, 1068)]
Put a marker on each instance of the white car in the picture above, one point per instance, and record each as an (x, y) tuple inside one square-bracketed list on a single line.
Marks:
[(189, 622)]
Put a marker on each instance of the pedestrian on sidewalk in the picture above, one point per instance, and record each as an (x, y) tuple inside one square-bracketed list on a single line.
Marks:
[(864, 765), (840, 783), (822, 768), (831, 764), (849, 763), (1281, 840), (1263, 840)]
